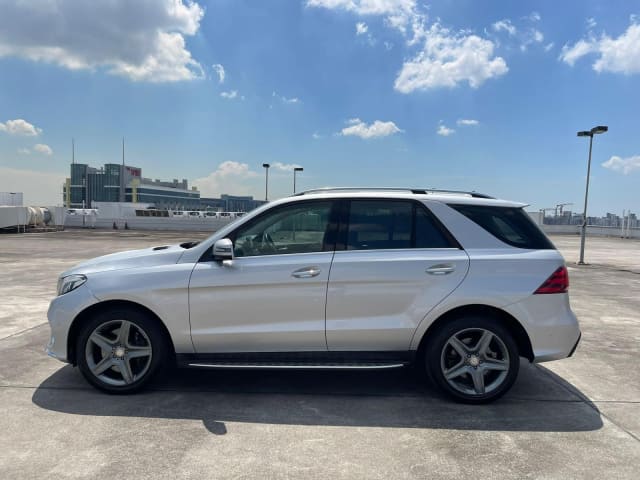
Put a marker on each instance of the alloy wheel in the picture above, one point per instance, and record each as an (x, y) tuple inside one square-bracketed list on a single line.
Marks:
[(475, 361), (118, 352)]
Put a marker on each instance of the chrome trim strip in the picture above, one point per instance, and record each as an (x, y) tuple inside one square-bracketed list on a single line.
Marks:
[(300, 367)]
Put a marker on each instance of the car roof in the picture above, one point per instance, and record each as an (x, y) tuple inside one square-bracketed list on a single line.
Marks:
[(443, 196)]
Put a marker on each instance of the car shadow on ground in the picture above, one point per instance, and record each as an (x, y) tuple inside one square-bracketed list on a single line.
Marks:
[(540, 401)]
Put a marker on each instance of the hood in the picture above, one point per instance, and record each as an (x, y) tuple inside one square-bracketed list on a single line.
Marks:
[(147, 257)]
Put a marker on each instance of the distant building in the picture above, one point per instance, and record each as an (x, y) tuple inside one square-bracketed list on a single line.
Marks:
[(231, 203), (123, 183)]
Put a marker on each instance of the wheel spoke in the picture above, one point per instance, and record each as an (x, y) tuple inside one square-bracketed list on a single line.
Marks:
[(123, 333), (456, 371), (125, 370), (492, 364), (137, 352), (483, 343), (458, 346), (102, 342), (102, 365), (477, 375)]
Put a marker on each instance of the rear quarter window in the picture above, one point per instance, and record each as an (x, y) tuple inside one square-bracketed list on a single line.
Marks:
[(511, 225)]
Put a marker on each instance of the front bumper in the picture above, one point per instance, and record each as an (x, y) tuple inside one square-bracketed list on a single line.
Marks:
[(62, 311)]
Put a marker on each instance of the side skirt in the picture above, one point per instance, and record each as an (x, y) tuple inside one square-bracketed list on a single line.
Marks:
[(297, 360)]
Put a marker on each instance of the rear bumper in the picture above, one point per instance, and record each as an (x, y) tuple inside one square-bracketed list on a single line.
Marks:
[(551, 325)]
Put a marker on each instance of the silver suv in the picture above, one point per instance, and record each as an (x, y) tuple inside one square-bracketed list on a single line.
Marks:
[(458, 282)]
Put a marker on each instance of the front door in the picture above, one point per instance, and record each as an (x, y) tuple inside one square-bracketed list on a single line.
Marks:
[(272, 296)]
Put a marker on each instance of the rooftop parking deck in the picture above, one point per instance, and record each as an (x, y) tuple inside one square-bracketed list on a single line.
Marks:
[(575, 418)]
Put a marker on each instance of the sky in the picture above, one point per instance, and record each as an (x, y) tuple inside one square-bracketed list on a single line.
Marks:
[(483, 95)]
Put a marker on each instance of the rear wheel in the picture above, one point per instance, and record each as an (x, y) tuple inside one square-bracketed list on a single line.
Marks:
[(119, 351), (473, 359)]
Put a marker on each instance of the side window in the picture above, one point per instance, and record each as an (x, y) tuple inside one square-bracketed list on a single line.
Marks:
[(379, 224), (428, 233), (511, 225), (298, 228)]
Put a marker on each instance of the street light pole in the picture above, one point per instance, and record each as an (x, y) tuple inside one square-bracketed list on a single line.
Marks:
[(583, 232), (295, 170), (266, 181)]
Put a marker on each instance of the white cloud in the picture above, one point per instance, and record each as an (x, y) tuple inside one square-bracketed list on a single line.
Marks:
[(24, 151), (142, 40), (581, 48), (316, 135), (399, 14), (537, 36), (591, 23), (445, 131), (219, 69), (448, 59), (20, 127), (548, 47), (467, 122), (504, 26), (623, 165), (616, 55), (361, 28), (43, 148), (367, 7), (377, 129), (230, 94), (284, 99), (534, 17), (229, 177), (284, 167)]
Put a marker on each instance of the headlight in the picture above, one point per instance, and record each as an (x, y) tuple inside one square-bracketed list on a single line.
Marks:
[(71, 282)]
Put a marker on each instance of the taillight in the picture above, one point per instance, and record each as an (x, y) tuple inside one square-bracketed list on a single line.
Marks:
[(558, 282)]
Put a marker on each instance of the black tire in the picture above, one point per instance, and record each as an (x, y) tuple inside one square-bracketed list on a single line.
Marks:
[(501, 352), (145, 334)]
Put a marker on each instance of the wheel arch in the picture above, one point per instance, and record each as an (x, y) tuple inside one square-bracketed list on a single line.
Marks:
[(74, 329), (508, 321)]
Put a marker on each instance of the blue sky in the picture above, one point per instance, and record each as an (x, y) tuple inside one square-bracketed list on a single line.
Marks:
[(483, 95)]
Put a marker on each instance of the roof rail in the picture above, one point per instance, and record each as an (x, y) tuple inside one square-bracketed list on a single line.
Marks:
[(417, 191)]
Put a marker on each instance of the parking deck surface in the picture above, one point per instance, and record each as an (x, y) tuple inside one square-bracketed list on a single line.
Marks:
[(575, 418)]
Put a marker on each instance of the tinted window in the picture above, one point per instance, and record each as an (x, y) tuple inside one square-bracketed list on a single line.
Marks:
[(298, 228), (428, 233), (378, 224), (511, 225)]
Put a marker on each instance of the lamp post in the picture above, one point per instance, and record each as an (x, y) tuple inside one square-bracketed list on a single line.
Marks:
[(588, 133), (295, 170), (266, 181)]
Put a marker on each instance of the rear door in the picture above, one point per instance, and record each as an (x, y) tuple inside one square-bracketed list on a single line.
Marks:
[(394, 263)]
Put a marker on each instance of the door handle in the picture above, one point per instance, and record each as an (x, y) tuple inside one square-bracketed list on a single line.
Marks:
[(306, 272), (441, 269)]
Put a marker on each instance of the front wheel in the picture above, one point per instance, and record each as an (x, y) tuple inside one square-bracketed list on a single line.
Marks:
[(118, 351), (474, 360)]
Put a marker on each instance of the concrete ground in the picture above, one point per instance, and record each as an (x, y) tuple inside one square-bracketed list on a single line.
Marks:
[(575, 418)]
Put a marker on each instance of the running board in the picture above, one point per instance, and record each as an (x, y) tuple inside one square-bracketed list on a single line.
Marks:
[(297, 360)]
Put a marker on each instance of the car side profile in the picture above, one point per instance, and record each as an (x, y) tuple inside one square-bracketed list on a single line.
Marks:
[(457, 282)]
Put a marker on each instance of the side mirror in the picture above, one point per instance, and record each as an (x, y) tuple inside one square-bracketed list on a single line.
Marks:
[(223, 249)]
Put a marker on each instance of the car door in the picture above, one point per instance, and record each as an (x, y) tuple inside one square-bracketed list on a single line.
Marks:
[(394, 263), (272, 295)]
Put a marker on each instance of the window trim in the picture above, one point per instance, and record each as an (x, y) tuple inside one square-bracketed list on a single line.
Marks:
[(343, 227)]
